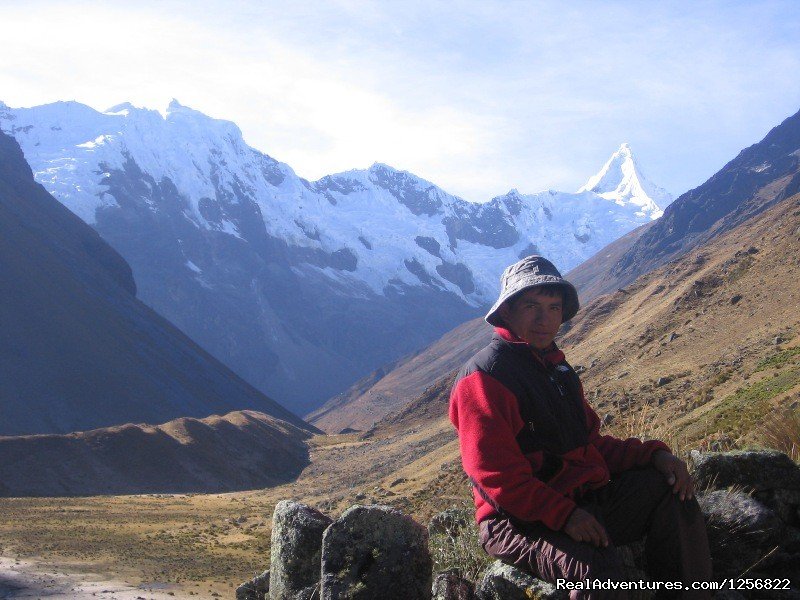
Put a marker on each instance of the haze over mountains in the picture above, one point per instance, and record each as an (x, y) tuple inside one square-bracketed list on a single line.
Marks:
[(79, 350), (302, 287)]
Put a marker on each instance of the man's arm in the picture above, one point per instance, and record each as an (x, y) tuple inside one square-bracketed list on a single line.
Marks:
[(486, 415)]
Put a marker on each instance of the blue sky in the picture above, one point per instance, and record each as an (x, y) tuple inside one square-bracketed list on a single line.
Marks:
[(478, 97)]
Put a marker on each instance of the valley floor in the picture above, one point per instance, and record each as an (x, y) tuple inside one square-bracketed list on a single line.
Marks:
[(199, 545)]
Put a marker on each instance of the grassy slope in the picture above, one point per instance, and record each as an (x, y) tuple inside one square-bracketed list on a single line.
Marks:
[(708, 324)]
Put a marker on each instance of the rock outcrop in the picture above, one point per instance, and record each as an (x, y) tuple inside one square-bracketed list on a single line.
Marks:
[(296, 550), (752, 509), (255, 589), (375, 552), (505, 582), (741, 531), (772, 476), (449, 585), (750, 501)]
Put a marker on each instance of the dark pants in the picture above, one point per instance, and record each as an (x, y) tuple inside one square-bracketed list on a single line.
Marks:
[(635, 504)]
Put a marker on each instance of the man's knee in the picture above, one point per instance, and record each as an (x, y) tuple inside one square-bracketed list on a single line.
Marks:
[(674, 516), (651, 485), (549, 555), (655, 479)]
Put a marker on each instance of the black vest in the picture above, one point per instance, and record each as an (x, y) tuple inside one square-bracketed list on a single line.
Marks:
[(549, 399)]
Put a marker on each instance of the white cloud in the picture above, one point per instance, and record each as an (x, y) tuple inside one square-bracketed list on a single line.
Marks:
[(478, 97)]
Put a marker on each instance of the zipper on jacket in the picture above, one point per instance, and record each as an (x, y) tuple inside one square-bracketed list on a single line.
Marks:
[(558, 385)]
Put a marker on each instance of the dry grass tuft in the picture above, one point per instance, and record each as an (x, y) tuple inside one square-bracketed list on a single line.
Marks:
[(458, 548), (648, 423), (782, 432)]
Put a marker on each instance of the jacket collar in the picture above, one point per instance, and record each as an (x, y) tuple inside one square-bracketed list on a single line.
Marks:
[(548, 357)]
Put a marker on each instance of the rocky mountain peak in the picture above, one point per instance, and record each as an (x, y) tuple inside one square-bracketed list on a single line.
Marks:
[(621, 180)]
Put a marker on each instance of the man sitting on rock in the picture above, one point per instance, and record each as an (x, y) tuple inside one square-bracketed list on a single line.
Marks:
[(553, 496)]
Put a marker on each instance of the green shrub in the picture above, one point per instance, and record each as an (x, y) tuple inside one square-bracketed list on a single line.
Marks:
[(779, 359), (748, 406)]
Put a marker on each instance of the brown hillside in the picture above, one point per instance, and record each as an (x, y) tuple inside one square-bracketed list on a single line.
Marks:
[(241, 450), (710, 339), (383, 392), (692, 344)]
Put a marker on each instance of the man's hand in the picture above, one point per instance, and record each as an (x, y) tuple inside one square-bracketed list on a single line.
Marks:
[(676, 473), (583, 527)]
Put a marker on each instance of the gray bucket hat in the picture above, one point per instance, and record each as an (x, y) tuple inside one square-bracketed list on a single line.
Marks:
[(533, 271)]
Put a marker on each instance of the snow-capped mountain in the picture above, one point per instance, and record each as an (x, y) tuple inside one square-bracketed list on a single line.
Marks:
[(622, 181), (300, 286)]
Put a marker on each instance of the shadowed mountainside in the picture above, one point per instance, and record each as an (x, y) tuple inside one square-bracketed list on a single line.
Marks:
[(241, 450), (79, 351)]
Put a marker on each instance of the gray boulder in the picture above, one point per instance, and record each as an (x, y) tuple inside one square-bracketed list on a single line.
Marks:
[(741, 531), (296, 552), (448, 585), (375, 552), (506, 582), (758, 470), (785, 503), (773, 477), (255, 589)]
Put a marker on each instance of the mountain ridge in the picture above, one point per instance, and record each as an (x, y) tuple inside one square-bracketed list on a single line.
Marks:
[(620, 179), (300, 287), (218, 453)]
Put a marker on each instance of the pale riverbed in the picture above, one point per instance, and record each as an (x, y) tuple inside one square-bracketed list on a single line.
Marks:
[(28, 579)]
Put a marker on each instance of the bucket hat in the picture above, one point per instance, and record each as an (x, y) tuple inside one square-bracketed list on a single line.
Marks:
[(533, 271)]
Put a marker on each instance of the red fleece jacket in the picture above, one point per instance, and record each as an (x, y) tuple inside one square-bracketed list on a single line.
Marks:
[(487, 417)]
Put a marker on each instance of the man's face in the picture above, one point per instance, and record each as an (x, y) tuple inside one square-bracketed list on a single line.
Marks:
[(534, 316)]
